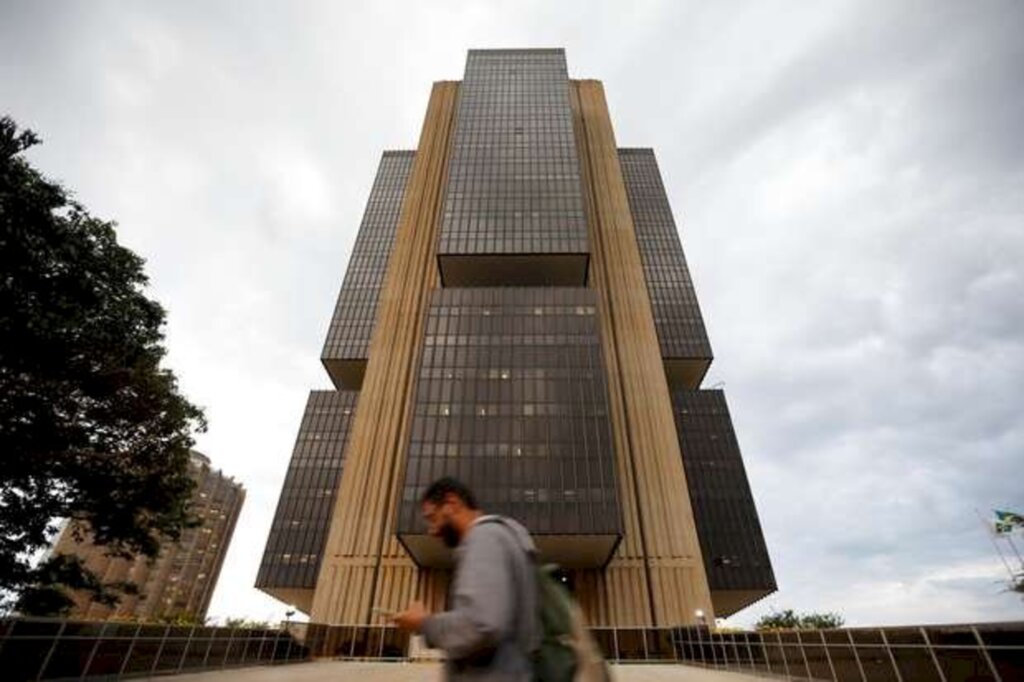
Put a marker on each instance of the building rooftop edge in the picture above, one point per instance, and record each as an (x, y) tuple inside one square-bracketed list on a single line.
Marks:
[(516, 50)]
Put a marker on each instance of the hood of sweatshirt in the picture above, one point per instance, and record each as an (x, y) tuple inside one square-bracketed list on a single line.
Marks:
[(519, 531)]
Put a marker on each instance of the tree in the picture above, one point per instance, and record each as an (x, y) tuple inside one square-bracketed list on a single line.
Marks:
[(790, 620), (247, 624), (92, 428)]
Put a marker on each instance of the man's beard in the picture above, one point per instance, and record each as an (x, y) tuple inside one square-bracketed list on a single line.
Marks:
[(449, 536)]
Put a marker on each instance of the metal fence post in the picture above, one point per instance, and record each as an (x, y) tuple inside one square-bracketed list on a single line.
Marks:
[(856, 656), (828, 656), (92, 652), (227, 649), (131, 649), (750, 650), (931, 652), (288, 652), (212, 636), (160, 650), (892, 659), (764, 651), (49, 654), (803, 654), (782, 650), (984, 651), (184, 652), (246, 636)]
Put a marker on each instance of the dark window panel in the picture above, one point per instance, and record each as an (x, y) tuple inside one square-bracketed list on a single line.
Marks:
[(512, 399), (299, 530), (731, 539), (513, 185), (677, 317), (348, 338)]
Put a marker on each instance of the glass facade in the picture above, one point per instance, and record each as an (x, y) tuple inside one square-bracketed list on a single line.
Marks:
[(513, 184), (303, 517), (511, 399), (677, 318), (348, 338), (735, 555)]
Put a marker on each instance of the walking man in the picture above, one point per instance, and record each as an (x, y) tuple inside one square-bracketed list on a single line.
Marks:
[(491, 628)]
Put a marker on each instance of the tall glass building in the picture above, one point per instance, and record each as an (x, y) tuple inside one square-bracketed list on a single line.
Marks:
[(518, 313)]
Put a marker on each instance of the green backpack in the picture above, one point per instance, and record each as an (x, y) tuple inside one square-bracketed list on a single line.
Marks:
[(555, 659), (567, 651)]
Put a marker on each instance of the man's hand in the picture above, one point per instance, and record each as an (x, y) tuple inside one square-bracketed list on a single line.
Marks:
[(412, 618)]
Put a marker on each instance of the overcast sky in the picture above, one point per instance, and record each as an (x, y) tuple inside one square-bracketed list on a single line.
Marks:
[(848, 179)]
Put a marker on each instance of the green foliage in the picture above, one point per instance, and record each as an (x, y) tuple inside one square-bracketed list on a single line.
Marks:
[(47, 594), (790, 620), (245, 624), (91, 427), (184, 618), (821, 621)]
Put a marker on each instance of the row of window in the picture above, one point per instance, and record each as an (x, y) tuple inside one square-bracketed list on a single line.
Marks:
[(528, 450), (506, 374), (307, 496), (723, 507), (507, 339), (352, 323), (513, 409), (678, 320)]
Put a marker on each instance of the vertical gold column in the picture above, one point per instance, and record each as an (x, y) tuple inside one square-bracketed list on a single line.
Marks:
[(658, 565), (361, 561)]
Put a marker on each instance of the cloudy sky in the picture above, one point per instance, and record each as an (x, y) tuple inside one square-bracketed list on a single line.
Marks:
[(848, 179)]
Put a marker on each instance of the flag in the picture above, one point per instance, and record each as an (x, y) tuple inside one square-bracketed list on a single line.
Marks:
[(1006, 521)]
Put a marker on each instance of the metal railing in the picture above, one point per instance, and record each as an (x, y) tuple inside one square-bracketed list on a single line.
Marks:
[(358, 642), (50, 649), (949, 653), (46, 649)]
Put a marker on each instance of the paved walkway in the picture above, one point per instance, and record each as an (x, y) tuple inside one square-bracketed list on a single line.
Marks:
[(341, 671)]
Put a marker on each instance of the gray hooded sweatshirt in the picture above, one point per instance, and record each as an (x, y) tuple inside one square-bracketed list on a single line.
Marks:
[(492, 625)]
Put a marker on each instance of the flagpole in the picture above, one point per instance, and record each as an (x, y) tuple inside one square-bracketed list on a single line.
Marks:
[(1009, 538), (992, 537)]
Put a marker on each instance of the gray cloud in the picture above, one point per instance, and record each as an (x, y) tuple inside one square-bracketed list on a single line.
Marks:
[(847, 179)]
